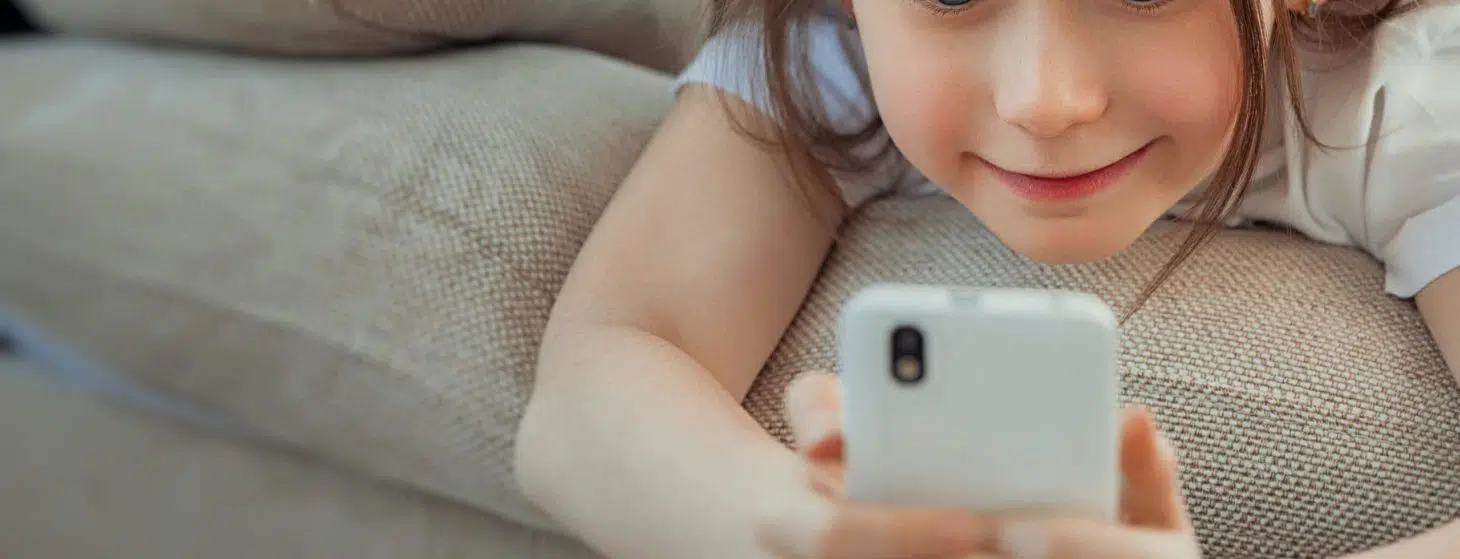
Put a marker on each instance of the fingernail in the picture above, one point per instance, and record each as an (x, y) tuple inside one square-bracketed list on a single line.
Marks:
[(805, 409), (1022, 539), (1164, 447), (809, 427), (818, 429)]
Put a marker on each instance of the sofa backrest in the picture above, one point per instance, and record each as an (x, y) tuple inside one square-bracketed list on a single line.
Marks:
[(661, 34)]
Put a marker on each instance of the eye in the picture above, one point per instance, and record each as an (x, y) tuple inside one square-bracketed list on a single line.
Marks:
[(945, 7), (1145, 6)]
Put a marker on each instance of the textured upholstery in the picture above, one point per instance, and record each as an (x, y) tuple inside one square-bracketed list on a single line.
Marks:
[(85, 479), (358, 258), (661, 34)]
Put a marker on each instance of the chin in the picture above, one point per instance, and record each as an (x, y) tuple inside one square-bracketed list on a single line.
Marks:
[(1057, 253), (1070, 241), (1075, 233)]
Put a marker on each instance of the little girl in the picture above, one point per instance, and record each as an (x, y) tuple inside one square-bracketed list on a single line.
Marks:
[(1067, 127)]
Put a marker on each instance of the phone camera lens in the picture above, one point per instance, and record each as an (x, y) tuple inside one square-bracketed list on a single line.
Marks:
[(908, 340), (908, 365)]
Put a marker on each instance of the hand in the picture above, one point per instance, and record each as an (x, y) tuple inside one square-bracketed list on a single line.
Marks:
[(1153, 523), (811, 519), (1153, 520)]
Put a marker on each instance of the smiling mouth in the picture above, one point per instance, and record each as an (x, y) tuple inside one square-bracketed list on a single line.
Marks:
[(1071, 186)]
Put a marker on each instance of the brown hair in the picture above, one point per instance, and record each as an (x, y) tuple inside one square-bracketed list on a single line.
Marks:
[(811, 145)]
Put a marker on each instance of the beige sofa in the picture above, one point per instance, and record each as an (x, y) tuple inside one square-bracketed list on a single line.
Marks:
[(85, 478), (352, 257)]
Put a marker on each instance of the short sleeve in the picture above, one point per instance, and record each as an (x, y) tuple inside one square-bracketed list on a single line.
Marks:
[(1426, 247), (1387, 177), (733, 61), (1413, 183)]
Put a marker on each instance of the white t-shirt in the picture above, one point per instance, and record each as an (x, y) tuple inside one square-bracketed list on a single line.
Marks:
[(1396, 194)]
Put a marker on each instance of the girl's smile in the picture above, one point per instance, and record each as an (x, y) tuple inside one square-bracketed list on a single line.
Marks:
[(1066, 186), (1090, 119)]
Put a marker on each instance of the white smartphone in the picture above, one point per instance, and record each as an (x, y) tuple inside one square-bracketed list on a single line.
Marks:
[(994, 400)]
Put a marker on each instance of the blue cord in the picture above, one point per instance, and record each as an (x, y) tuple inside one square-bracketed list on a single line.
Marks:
[(57, 361)]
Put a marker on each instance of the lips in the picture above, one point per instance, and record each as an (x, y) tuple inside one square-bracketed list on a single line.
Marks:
[(1066, 188)]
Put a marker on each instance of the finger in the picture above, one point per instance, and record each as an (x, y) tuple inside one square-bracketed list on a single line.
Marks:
[(1075, 538), (1151, 494), (822, 529), (878, 532), (829, 479), (813, 409)]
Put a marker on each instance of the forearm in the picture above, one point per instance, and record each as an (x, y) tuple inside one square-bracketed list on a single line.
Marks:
[(636, 449), (1439, 304), (1440, 543)]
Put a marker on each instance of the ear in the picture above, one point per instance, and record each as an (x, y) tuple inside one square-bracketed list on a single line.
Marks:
[(1304, 7)]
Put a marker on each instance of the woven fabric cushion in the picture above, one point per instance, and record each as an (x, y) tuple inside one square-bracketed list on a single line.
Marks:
[(359, 259), (87, 480), (662, 34), (1314, 416)]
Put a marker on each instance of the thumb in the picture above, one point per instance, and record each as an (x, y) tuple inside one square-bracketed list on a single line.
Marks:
[(1152, 494), (813, 409), (1083, 538)]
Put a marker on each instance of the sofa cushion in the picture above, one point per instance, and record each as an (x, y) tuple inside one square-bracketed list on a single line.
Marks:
[(86, 479), (662, 34), (355, 258), (359, 258), (1313, 415)]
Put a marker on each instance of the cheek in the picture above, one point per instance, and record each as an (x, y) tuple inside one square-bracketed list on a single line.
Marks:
[(1193, 93), (1195, 101), (925, 100)]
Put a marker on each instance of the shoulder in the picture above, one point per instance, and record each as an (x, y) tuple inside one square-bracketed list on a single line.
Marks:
[(1407, 67), (824, 59), (1391, 119), (1409, 64), (1427, 27), (823, 51), (1415, 59)]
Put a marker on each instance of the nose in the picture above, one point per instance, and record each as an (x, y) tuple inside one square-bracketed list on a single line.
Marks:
[(1045, 82)]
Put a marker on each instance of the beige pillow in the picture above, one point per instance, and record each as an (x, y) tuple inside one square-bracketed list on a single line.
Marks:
[(358, 258), (662, 34), (1314, 416)]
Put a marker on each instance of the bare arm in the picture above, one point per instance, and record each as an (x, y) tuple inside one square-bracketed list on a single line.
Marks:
[(1440, 305), (635, 438)]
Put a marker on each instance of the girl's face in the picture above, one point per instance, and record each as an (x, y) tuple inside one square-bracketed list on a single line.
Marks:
[(1066, 126)]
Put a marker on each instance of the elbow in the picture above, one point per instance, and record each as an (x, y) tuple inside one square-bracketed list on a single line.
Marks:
[(544, 446), (538, 453), (541, 448)]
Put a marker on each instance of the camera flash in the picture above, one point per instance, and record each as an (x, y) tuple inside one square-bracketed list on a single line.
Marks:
[(908, 369)]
